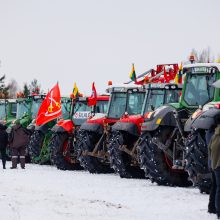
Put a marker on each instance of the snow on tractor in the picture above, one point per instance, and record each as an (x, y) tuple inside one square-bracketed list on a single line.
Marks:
[(125, 132), (62, 145), (162, 149), (38, 145)]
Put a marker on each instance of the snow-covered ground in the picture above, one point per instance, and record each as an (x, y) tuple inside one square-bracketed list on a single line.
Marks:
[(43, 192)]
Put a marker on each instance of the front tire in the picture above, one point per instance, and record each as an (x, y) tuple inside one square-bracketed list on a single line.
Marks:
[(35, 145), (197, 161), (121, 161), (86, 143), (155, 162), (59, 156)]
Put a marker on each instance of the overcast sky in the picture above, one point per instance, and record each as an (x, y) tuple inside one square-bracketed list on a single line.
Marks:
[(97, 40)]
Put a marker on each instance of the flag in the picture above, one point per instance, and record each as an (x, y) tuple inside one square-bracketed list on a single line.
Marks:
[(50, 107), (75, 92), (166, 78), (133, 74), (92, 100), (180, 73)]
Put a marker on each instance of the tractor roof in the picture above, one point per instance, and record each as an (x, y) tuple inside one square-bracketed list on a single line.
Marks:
[(217, 65), (124, 88), (163, 86)]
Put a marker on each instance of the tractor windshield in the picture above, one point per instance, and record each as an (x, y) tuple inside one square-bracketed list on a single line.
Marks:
[(153, 99), (81, 112), (66, 109), (35, 107), (198, 89), (101, 107), (135, 102), (22, 108), (117, 105), (130, 102), (2, 111), (13, 109), (156, 98)]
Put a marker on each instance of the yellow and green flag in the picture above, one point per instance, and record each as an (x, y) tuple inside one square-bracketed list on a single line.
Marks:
[(75, 92), (133, 74), (178, 77)]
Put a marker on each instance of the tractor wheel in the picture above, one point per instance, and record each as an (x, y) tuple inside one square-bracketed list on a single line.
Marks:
[(121, 161), (35, 145), (58, 149), (197, 161), (156, 164), (86, 142)]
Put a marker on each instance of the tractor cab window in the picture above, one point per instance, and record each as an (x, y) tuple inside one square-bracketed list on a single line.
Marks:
[(101, 106), (117, 105), (35, 107), (22, 108), (135, 102), (153, 100), (198, 89), (82, 107), (3, 110), (13, 109), (66, 109), (172, 96)]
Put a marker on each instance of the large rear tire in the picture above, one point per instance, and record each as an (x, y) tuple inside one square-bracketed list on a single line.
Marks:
[(86, 142), (197, 161), (121, 161), (58, 148), (35, 146), (156, 164)]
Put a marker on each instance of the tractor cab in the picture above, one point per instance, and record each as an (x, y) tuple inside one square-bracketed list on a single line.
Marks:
[(8, 109), (125, 101)]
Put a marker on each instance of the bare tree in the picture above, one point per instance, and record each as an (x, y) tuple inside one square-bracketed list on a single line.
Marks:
[(12, 88), (204, 56)]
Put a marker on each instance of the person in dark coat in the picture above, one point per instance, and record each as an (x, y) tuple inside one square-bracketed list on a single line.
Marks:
[(211, 204), (18, 141), (3, 143), (214, 155)]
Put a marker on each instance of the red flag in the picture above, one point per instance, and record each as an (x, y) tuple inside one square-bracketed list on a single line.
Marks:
[(50, 107), (92, 100)]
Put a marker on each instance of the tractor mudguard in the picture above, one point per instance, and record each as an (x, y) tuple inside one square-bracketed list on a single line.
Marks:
[(204, 121), (64, 126), (97, 128), (130, 128), (162, 116), (43, 128)]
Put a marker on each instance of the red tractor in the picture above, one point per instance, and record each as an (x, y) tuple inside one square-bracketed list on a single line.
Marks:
[(95, 135), (63, 142), (125, 133)]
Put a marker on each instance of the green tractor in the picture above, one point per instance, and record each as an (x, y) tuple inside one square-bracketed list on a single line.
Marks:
[(162, 150), (39, 141)]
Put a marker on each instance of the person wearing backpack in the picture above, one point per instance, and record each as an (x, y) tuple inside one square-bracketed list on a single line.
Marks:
[(3, 144), (19, 138)]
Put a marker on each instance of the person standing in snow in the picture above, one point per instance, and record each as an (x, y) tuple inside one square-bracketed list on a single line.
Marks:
[(18, 140), (3, 144), (214, 155), (211, 204)]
